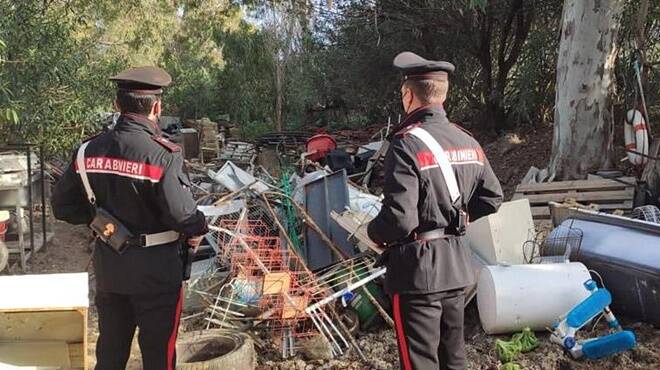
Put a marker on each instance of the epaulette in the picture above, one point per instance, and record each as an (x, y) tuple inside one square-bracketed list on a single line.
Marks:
[(170, 146), (404, 131), (88, 138), (462, 129)]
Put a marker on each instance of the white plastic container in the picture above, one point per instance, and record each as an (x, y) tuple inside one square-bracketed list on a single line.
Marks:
[(499, 237), (511, 298)]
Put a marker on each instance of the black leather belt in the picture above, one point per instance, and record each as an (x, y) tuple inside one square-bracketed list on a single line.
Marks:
[(430, 235)]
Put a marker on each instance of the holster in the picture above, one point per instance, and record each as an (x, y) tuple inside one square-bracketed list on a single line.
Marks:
[(186, 253), (110, 230)]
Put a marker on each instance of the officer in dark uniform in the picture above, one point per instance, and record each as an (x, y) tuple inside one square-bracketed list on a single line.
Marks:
[(136, 179), (436, 177)]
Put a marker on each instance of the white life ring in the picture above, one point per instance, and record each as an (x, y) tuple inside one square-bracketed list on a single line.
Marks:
[(636, 137)]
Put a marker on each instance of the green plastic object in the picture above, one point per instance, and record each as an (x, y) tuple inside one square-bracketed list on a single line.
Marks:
[(290, 214), (508, 351), (511, 366), (366, 311)]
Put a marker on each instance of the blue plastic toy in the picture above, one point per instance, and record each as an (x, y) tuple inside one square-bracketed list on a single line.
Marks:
[(598, 302)]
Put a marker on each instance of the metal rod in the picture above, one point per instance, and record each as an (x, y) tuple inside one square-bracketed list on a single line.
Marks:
[(327, 331), (31, 205), (43, 195), (378, 306), (314, 226), (349, 288), (289, 242)]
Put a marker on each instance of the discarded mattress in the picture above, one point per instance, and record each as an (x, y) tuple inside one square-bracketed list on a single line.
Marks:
[(626, 253)]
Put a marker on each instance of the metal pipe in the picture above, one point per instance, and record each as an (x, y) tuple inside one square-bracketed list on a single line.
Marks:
[(43, 195), (30, 203), (349, 288)]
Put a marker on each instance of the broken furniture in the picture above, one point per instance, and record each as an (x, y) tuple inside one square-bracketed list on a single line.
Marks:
[(23, 187), (511, 298), (44, 321), (626, 253), (597, 303), (499, 237), (322, 196), (607, 194), (280, 150), (188, 140), (241, 153), (210, 144), (234, 178)]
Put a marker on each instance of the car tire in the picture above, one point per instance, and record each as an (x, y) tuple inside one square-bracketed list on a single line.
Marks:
[(215, 349)]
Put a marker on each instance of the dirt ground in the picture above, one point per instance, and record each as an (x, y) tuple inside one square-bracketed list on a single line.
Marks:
[(68, 252)]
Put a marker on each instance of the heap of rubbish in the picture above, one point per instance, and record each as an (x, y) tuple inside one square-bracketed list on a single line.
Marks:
[(288, 265), (275, 264), (288, 260)]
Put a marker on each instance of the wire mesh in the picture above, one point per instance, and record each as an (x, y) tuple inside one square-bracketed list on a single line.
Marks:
[(561, 245), (648, 213)]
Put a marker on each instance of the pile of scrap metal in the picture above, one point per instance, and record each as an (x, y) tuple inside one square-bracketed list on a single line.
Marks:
[(276, 265), (590, 265)]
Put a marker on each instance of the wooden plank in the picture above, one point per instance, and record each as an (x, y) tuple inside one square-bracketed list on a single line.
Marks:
[(46, 355), (77, 355), (348, 222), (65, 326), (577, 185), (276, 283), (595, 197), (544, 212)]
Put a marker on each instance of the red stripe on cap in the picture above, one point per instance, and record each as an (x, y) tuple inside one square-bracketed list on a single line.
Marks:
[(123, 167), (171, 345), (631, 146), (401, 336)]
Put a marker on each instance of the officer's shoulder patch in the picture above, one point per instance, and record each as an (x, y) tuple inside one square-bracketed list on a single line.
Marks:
[(170, 146), (407, 129), (94, 136), (462, 128)]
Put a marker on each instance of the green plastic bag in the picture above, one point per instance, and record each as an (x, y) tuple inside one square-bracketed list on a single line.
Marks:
[(508, 351), (511, 366)]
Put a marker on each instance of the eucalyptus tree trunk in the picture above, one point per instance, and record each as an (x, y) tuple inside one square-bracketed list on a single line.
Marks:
[(583, 127)]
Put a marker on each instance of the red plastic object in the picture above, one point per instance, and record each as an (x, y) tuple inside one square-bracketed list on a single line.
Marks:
[(3, 229), (319, 145)]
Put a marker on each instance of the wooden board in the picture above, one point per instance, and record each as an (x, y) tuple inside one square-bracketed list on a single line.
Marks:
[(276, 283), (577, 185), (607, 195), (42, 325), (348, 222), (30, 354)]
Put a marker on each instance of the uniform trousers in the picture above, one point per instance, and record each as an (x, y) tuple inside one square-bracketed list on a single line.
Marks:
[(429, 329), (157, 317)]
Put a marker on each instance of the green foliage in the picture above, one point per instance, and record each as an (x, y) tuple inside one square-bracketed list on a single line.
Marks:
[(318, 66)]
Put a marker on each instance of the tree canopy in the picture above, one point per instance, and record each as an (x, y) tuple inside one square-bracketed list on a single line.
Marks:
[(273, 65)]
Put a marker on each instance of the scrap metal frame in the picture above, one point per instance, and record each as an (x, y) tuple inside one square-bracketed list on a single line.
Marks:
[(23, 255)]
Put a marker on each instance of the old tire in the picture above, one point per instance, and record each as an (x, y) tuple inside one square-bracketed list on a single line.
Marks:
[(215, 349), (4, 255)]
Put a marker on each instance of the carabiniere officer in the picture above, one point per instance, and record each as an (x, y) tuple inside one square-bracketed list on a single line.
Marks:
[(436, 178), (130, 186)]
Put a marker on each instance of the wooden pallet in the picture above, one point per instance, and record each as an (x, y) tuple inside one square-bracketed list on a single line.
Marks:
[(608, 195)]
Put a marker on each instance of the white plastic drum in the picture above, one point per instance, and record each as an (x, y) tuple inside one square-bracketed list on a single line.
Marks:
[(511, 298)]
